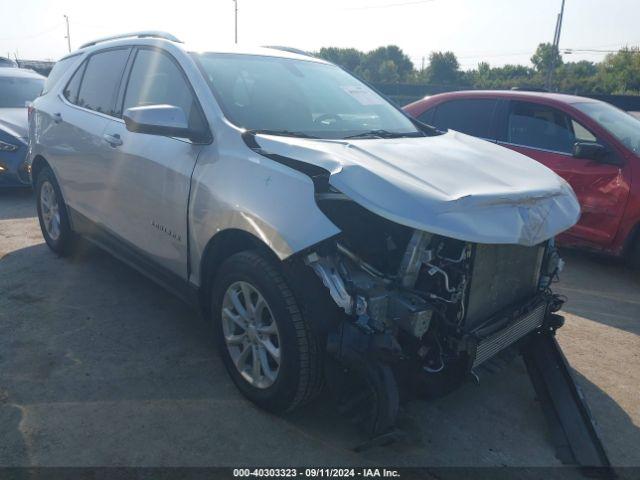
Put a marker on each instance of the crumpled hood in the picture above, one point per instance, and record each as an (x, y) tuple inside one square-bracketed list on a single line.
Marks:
[(15, 122), (451, 184)]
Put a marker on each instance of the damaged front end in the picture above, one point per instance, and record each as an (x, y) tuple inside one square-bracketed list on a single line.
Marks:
[(422, 310), (437, 270)]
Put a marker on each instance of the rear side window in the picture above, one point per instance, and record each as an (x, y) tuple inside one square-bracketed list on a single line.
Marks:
[(58, 70), (471, 116), (70, 92), (539, 126), (156, 80), (101, 79)]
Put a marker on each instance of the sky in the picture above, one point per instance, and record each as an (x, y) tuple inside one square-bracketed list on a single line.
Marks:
[(495, 31)]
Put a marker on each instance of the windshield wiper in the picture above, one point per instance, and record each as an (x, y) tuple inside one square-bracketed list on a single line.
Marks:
[(381, 133), (283, 133)]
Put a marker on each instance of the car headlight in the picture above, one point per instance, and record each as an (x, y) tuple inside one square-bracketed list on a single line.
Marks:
[(7, 147)]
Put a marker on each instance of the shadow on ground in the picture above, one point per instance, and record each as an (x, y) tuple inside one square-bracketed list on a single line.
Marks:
[(601, 289), (99, 366), (17, 203)]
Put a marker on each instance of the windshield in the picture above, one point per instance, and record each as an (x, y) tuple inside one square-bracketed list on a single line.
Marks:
[(619, 123), (15, 91), (296, 97)]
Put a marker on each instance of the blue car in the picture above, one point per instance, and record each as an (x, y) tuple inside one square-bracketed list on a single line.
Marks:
[(18, 87)]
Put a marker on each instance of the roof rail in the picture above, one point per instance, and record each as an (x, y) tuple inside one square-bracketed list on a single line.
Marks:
[(289, 49), (142, 34)]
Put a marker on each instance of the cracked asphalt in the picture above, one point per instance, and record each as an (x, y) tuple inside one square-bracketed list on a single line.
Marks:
[(100, 367)]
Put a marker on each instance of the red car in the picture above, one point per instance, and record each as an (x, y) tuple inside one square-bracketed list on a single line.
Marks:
[(591, 144)]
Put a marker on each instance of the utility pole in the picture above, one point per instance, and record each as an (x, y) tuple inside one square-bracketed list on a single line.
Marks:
[(68, 37), (235, 2), (556, 44)]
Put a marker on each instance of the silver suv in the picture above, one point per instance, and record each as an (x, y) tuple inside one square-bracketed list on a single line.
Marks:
[(324, 233)]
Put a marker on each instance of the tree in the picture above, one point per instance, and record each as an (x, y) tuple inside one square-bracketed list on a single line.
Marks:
[(348, 58), (620, 72), (377, 64), (388, 72), (546, 58), (443, 68)]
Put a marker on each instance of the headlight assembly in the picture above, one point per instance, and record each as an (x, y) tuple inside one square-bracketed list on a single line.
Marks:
[(7, 147)]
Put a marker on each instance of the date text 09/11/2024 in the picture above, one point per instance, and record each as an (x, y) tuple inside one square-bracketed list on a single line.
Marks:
[(316, 472)]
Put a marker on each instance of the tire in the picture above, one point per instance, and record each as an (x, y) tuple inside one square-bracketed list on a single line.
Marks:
[(60, 239), (298, 373), (634, 255)]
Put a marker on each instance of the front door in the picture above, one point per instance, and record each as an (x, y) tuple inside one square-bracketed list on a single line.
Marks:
[(547, 135), (150, 175)]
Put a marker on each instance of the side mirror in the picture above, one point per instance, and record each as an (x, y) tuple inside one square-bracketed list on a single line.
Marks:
[(596, 152), (166, 120)]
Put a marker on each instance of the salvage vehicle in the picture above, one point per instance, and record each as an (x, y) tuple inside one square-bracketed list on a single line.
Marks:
[(18, 87), (591, 144), (326, 235)]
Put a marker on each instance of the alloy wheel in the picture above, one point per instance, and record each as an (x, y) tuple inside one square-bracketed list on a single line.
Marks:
[(50, 209), (251, 334)]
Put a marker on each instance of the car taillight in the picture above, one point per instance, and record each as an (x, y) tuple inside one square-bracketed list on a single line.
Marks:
[(30, 110)]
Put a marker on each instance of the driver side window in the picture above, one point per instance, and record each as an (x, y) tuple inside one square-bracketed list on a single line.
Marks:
[(543, 127), (156, 80)]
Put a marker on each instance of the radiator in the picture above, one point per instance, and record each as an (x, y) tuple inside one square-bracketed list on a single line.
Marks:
[(494, 343), (502, 276)]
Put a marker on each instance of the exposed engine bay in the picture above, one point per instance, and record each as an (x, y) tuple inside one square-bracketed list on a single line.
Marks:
[(427, 308), (432, 272)]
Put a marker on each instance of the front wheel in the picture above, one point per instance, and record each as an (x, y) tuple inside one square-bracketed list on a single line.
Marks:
[(52, 214), (634, 255), (267, 345)]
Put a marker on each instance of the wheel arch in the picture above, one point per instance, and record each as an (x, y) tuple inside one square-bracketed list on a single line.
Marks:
[(220, 247), (632, 244), (38, 163)]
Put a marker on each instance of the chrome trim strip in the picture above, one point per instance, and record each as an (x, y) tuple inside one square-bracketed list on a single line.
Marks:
[(500, 142)]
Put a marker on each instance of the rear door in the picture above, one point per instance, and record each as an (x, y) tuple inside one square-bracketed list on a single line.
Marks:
[(473, 116), (73, 137), (150, 175), (547, 135)]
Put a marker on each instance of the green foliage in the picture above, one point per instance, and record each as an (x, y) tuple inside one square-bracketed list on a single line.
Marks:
[(546, 57), (382, 65), (348, 58), (620, 72), (443, 69), (617, 73)]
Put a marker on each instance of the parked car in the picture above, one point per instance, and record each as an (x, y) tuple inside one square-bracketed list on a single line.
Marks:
[(322, 230), (18, 87), (591, 144), (7, 63)]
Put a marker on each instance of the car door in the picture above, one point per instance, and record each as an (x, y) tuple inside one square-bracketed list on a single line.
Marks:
[(150, 175), (473, 116), (73, 137), (547, 135)]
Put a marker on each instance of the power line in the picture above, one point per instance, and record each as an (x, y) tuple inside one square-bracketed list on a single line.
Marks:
[(25, 37)]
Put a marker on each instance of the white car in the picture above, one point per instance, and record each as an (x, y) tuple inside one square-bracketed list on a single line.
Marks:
[(324, 233)]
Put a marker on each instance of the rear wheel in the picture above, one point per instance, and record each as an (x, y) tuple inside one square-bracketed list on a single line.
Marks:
[(635, 253), (52, 214), (266, 343)]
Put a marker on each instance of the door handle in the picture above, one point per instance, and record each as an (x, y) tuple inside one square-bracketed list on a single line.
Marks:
[(57, 117), (112, 139)]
